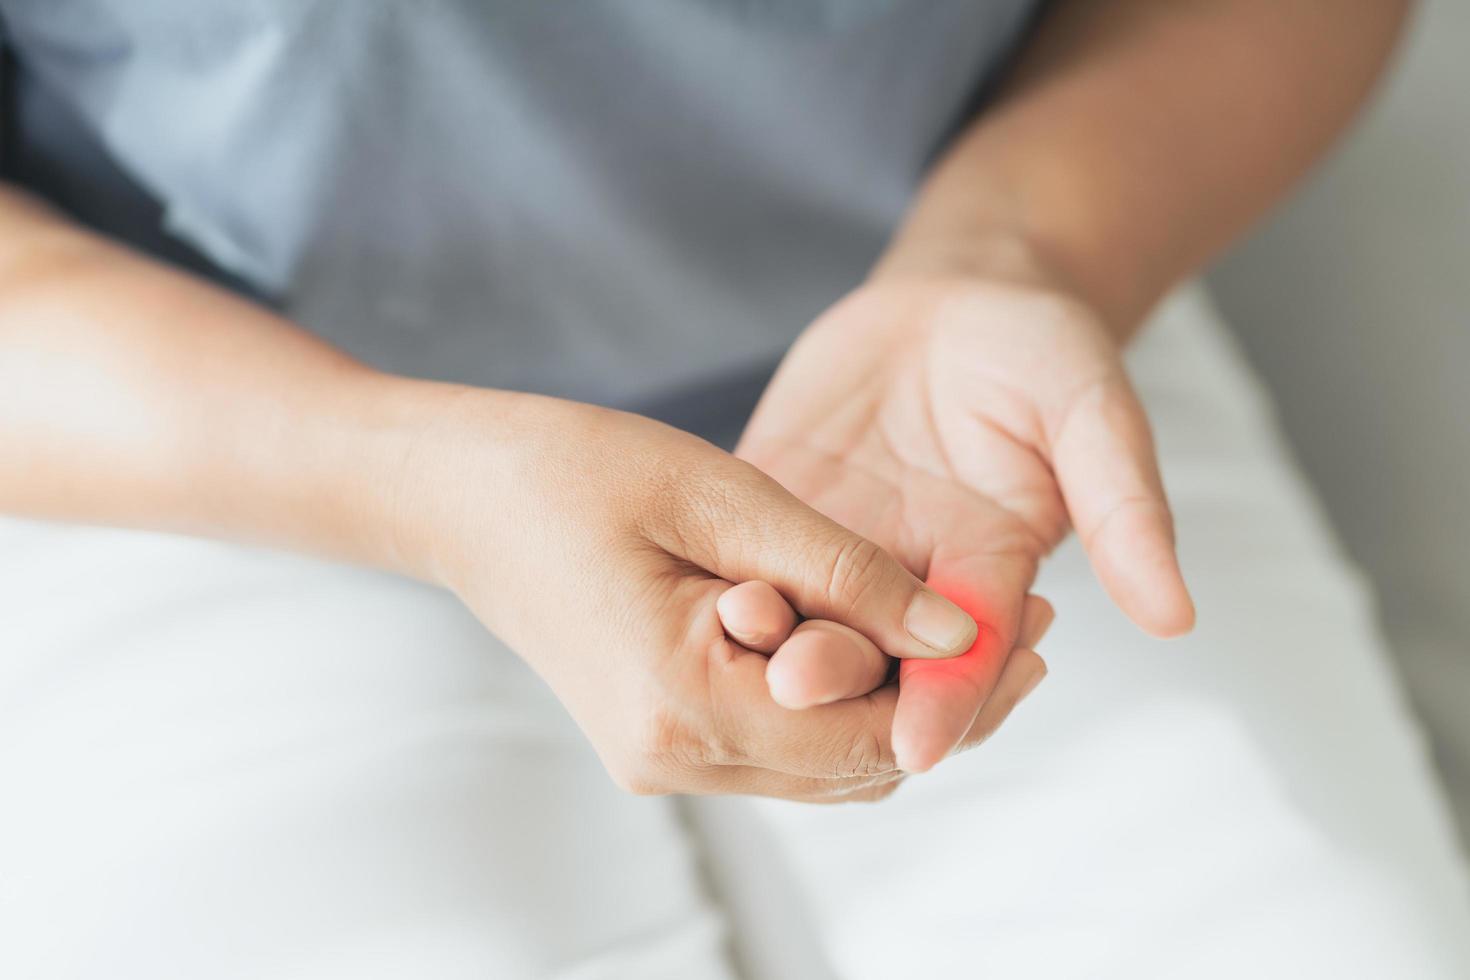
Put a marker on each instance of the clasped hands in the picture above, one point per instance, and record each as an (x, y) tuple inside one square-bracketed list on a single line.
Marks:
[(729, 623)]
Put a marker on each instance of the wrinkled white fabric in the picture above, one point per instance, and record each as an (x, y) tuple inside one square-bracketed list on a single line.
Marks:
[(223, 762)]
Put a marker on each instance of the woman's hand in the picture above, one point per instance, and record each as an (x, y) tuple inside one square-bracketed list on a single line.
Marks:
[(963, 423), (819, 662), (594, 542), (597, 544)]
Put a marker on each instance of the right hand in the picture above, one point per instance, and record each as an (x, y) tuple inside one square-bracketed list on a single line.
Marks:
[(596, 545)]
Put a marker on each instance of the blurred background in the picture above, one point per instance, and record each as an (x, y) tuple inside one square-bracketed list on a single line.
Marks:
[(1354, 304)]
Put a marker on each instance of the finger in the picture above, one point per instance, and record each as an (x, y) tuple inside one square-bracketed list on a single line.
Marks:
[(1023, 671), (755, 529), (939, 699), (754, 781), (876, 791), (872, 794), (1036, 618), (1103, 454), (755, 616), (828, 741), (824, 662)]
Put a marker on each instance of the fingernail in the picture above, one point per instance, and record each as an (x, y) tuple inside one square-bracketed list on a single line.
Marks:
[(939, 624)]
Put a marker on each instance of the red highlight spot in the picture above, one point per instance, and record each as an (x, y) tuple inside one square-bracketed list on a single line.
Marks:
[(980, 654), (938, 700)]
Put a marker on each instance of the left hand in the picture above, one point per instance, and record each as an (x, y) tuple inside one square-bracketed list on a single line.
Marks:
[(964, 423)]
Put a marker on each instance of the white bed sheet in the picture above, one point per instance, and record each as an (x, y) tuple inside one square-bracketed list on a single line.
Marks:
[(223, 762)]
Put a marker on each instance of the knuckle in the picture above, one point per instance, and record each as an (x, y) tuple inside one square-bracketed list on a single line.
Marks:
[(662, 739), (633, 776), (852, 572), (667, 755), (865, 755)]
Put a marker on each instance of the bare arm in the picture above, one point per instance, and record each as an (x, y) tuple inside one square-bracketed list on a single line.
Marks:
[(1137, 137), (978, 369), (595, 543), (136, 395)]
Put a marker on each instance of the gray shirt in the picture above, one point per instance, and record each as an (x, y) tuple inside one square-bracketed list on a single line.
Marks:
[(637, 203)]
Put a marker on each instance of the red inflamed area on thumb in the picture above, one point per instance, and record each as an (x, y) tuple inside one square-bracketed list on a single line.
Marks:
[(939, 699)]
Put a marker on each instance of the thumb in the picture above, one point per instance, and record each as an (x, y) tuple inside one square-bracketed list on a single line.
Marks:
[(750, 527), (1103, 455)]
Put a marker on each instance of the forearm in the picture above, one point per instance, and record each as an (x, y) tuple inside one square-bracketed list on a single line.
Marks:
[(135, 395), (1137, 137)]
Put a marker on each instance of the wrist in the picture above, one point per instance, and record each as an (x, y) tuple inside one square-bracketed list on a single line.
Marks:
[(1014, 259), (445, 459), (991, 255), (994, 240)]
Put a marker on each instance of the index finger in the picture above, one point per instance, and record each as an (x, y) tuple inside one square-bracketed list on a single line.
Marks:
[(830, 741)]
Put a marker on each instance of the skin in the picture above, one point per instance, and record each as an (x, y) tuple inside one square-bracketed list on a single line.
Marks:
[(596, 543), (967, 404), (831, 662), (947, 421)]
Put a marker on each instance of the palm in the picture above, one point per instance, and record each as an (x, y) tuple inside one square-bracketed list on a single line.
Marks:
[(924, 445), (961, 427), (891, 486)]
